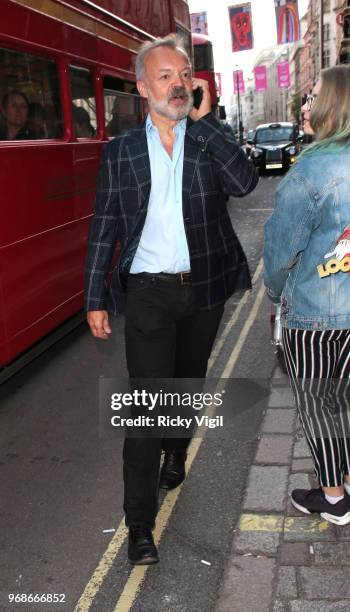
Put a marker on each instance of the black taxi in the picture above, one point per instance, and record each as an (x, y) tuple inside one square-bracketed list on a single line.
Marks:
[(275, 146)]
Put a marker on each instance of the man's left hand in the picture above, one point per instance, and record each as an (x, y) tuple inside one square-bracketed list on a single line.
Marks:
[(205, 105)]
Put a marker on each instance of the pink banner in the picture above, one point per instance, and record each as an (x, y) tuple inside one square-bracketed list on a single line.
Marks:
[(238, 81), (283, 75), (260, 78)]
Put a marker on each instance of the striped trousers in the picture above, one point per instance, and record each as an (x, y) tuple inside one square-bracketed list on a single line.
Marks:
[(318, 364)]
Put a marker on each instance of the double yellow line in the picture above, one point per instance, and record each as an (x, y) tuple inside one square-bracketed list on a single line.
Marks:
[(138, 573)]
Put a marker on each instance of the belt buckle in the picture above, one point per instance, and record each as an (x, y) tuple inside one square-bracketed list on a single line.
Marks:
[(185, 278)]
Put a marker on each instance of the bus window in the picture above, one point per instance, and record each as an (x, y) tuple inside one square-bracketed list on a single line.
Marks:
[(203, 57), (29, 95), (185, 36), (123, 106), (84, 104)]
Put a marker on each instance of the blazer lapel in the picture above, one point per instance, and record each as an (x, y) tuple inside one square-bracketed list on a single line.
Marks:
[(191, 156), (139, 163)]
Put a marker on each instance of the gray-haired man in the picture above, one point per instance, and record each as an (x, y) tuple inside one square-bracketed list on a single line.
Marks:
[(162, 193)]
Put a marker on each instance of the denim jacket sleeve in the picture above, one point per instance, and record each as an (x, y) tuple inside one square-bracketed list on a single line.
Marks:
[(287, 231)]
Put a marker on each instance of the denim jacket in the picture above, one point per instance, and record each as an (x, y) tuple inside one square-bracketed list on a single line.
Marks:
[(307, 242)]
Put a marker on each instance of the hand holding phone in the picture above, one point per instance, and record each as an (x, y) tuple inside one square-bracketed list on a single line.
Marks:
[(204, 104)]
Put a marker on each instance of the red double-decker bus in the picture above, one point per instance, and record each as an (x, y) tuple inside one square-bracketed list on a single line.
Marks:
[(67, 84), (204, 65)]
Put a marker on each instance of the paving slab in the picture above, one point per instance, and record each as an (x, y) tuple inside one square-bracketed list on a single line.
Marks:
[(295, 553), (303, 465), (318, 606), (280, 397), (301, 449), (343, 532), (287, 583), (266, 489), (331, 554), (256, 542), (324, 583), (308, 529), (274, 449), (281, 606), (279, 420), (247, 585)]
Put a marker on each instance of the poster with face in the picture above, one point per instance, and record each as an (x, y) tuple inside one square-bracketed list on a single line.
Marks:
[(199, 23), (287, 21), (241, 27)]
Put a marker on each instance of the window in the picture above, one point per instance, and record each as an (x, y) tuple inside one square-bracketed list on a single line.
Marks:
[(274, 134), (30, 97), (326, 58), (84, 103), (326, 6), (326, 32), (203, 57), (186, 39), (123, 106)]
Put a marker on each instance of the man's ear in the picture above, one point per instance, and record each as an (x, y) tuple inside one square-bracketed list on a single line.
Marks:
[(142, 89)]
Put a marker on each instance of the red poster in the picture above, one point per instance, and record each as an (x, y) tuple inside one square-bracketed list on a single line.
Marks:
[(260, 78), (241, 27), (287, 21), (238, 81), (283, 75)]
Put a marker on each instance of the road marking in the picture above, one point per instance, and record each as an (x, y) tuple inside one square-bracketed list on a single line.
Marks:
[(134, 583), (233, 320), (102, 569), (312, 524), (279, 523), (137, 575), (260, 522)]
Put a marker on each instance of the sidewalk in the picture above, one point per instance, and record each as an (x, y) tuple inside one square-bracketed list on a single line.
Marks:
[(281, 559)]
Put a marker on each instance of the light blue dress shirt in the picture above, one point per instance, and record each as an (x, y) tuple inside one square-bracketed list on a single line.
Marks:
[(163, 244)]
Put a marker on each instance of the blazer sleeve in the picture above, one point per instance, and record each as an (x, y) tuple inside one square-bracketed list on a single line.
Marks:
[(102, 236), (237, 175), (287, 232)]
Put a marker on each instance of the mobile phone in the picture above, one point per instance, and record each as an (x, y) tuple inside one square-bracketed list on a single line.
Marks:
[(197, 97)]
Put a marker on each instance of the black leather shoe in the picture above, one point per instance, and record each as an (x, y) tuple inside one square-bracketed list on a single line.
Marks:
[(173, 472), (142, 549)]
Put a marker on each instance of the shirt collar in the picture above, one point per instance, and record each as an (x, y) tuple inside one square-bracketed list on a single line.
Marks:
[(181, 125)]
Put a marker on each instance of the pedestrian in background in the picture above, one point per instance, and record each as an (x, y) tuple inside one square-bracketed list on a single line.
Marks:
[(307, 266), (162, 194)]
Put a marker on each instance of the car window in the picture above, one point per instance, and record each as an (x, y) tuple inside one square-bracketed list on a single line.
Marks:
[(280, 134)]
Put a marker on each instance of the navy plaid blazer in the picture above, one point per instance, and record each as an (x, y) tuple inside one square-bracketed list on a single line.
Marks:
[(214, 168)]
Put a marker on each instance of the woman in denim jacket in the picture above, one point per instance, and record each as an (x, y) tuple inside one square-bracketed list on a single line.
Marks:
[(307, 269)]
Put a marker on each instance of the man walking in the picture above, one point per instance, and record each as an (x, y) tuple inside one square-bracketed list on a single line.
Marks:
[(162, 194)]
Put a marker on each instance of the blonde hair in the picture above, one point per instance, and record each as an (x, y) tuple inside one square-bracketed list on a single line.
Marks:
[(330, 113)]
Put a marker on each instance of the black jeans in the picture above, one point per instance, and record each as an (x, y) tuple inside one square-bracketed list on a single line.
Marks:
[(166, 336)]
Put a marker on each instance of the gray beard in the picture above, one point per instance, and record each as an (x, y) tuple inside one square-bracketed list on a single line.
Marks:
[(163, 109)]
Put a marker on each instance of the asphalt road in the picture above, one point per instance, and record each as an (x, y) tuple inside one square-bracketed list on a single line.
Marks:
[(61, 485)]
